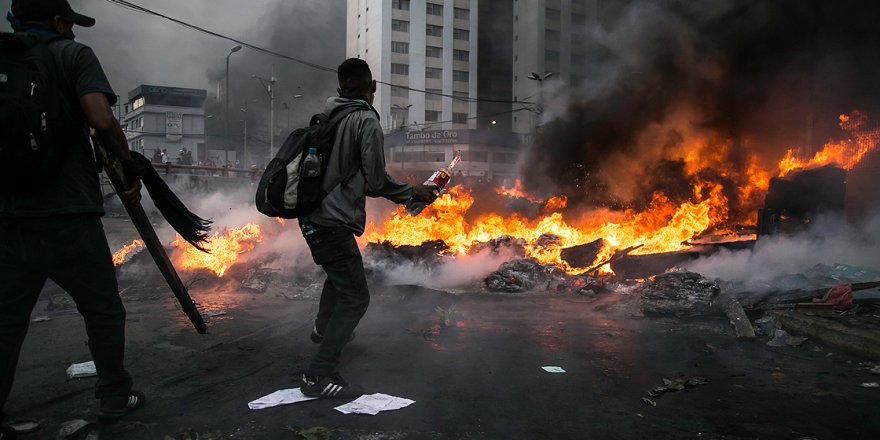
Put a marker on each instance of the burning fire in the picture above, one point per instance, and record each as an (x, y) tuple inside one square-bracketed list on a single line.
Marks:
[(664, 226), (123, 254), (225, 249), (846, 153)]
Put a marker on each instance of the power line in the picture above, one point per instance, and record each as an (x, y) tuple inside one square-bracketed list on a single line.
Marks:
[(389, 127), (137, 8)]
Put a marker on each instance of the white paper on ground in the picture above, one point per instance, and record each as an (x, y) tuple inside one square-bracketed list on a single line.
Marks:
[(551, 369), (372, 404), (280, 397), (85, 369), (871, 384)]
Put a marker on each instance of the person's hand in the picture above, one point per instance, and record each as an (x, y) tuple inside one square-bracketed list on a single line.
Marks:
[(133, 194), (425, 193)]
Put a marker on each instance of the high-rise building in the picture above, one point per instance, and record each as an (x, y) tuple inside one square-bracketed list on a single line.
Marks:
[(550, 43), (423, 45)]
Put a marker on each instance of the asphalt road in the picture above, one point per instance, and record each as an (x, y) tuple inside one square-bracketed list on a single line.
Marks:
[(478, 378)]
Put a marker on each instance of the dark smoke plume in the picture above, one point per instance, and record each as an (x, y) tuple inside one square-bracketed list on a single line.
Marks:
[(754, 76)]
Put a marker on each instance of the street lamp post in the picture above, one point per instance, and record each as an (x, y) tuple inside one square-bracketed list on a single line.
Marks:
[(232, 50), (405, 113), (269, 86), (287, 106), (540, 79), (244, 110)]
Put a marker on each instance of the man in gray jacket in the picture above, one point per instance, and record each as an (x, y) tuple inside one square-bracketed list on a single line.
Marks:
[(330, 230)]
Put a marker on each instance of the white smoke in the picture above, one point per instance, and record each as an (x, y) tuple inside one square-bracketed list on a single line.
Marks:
[(829, 241)]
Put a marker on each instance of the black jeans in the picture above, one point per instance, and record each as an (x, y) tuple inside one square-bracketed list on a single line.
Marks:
[(345, 297), (73, 252)]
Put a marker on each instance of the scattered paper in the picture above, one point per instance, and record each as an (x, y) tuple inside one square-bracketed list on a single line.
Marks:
[(41, 319), (280, 397), (551, 369), (372, 404), (85, 369), (871, 384), (213, 313)]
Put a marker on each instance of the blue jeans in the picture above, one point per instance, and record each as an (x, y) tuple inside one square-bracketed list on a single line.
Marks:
[(345, 297), (73, 252)]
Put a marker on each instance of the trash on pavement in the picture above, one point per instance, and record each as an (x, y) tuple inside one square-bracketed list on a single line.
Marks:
[(213, 313), (372, 404), (767, 324), (24, 426), (670, 385), (40, 319), (781, 338), (649, 401), (875, 370), (85, 369), (552, 369), (870, 385), (840, 297), (78, 430), (314, 433), (280, 397)]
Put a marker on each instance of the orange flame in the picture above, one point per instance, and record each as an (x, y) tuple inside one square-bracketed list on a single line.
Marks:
[(663, 227), (845, 154), (225, 249), (124, 253), (516, 192)]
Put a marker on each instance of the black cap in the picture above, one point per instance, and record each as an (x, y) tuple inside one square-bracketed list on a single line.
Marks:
[(37, 10)]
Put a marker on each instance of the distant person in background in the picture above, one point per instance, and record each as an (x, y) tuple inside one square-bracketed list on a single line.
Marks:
[(164, 156), (157, 156)]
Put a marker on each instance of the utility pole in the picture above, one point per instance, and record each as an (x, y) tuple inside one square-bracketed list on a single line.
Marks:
[(269, 86)]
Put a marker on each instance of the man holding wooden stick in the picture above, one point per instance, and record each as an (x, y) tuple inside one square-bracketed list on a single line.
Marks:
[(50, 217)]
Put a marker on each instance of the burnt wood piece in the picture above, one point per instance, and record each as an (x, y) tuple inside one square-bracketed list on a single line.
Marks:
[(425, 252), (582, 255), (644, 266), (113, 168), (738, 319)]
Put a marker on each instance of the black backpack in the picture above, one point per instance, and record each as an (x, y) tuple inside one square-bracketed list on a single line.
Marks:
[(33, 120), (283, 190)]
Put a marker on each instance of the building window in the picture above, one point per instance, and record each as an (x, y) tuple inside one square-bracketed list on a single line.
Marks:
[(551, 55), (578, 61), (461, 34), (433, 72), (461, 55), (551, 35), (578, 19), (460, 118), (400, 92), (434, 9), (461, 75), (434, 52), (138, 103), (400, 4), (552, 14), (400, 69), (434, 30), (400, 25), (399, 47), (462, 14), (461, 96), (475, 156), (433, 94), (504, 157), (432, 115)]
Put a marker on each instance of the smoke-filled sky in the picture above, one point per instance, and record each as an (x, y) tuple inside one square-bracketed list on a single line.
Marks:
[(136, 48), (756, 76)]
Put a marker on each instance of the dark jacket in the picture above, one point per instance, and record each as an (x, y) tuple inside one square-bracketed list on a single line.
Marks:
[(358, 153)]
